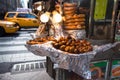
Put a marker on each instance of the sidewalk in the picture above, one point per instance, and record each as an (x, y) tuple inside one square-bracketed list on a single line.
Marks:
[(37, 75), (8, 63)]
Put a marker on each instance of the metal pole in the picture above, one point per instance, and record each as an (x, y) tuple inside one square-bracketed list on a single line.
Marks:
[(91, 19), (114, 18)]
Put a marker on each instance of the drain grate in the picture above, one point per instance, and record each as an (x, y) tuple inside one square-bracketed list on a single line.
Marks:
[(28, 66)]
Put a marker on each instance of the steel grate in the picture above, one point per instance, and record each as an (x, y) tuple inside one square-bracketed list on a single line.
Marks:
[(28, 66)]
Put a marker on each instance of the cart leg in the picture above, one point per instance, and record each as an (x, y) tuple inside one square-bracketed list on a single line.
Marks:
[(60, 74), (49, 68)]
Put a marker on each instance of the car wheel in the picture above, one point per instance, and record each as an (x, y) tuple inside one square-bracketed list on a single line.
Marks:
[(2, 31)]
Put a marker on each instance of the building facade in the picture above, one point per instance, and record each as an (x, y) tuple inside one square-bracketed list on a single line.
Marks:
[(9, 5)]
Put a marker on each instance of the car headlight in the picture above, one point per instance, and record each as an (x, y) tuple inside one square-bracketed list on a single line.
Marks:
[(9, 25)]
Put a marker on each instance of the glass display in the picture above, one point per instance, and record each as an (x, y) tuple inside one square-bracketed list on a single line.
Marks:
[(117, 36)]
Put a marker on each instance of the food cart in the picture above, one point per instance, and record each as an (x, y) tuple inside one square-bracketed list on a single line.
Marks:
[(69, 48), (104, 64)]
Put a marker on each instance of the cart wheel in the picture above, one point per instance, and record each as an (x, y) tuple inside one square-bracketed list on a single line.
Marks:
[(2, 31)]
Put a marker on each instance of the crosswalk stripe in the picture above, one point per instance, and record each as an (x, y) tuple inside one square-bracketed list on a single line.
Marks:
[(13, 43), (12, 48), (14, 38), (15, 52)]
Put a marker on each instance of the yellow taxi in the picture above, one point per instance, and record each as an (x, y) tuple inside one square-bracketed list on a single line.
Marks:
[(8, 27), (23, 19)]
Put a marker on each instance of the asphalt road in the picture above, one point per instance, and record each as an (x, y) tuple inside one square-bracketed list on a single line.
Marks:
[(16, 62), (13, 50), (14, 43)]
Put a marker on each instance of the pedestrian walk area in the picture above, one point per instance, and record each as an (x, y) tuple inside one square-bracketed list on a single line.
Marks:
[(35, 70), (35, 75)]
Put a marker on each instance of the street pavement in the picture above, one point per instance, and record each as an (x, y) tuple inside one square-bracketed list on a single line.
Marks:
[(12, 48), (37, 75), (13, 51)]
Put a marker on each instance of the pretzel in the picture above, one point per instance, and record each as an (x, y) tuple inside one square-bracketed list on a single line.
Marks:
[(116, 71)]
